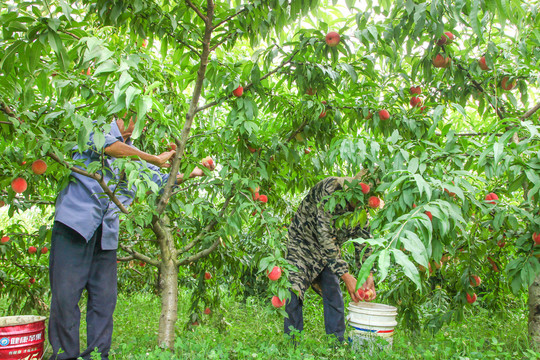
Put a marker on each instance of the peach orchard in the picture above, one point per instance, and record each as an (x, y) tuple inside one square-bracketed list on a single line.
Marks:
[(438, 98)]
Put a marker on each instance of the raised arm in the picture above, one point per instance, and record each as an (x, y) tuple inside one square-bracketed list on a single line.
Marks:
[(121, 150)]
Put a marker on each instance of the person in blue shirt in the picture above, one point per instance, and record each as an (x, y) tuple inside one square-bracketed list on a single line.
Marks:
[(84, 243)]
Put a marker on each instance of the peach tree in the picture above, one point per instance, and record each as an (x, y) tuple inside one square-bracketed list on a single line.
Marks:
[(438, 99)]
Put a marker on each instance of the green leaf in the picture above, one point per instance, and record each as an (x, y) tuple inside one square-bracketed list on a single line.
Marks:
[(131, 93), (365, 270), (384, 264), (412, 242), (408, 267), (106, 67)]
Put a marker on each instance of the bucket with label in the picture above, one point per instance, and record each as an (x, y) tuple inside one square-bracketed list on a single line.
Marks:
[(371, 326), (22, 337)]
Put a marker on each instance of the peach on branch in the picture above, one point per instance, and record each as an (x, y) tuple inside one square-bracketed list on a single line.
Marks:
[(384, 114), (275, 274), (277, 302), (19, 185), (374, 202), (482, 63), (332, 39), (39, 167), (238, 91)]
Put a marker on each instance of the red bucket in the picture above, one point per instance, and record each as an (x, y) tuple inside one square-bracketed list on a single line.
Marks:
[(22, 337)]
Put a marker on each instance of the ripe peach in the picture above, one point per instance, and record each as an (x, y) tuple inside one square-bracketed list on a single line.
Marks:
[(275, 273), (536, 238), (482, 63), (441, 61), (238, 91), (384, 114), (493, 197), (506, 85), (415, 101), (471, 299), (475, 280), (365, 188), (39, 167), (332, 39), (276, 302), (374, 202), (208, 162), (19, 185)]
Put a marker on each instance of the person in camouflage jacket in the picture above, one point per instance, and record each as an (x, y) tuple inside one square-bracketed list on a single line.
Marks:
[(314, 248)]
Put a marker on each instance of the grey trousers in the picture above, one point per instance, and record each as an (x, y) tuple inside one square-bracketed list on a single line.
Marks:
[(334, 308), (75, 265)]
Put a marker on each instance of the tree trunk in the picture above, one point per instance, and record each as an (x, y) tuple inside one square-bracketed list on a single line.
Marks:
[(169, 303), (534, 314), (168, 285)]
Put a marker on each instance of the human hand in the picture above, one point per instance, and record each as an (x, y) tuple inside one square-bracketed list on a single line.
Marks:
[(368, 288), (163, 159), (350, 283), (208, 163)]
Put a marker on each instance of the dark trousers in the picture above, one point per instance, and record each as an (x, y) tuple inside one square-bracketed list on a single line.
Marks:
[(334, 308), (75, 265)]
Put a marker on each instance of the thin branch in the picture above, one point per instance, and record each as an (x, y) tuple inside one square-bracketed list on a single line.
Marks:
[(199, 13), (478, 87), (8, 111), (139, 256), (200, 254), (125, 258), (187, 45), (228, 18), (472, 134), (229, 35), (197, 90), (530, 112), (70, 34), (207, 229), (298, 130), (283, 63), (97, 177)]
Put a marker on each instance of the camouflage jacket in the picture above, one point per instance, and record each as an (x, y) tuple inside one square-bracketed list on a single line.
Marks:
[(314, 242)]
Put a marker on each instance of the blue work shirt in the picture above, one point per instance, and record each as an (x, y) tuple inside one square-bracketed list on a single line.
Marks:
[(83, 205)]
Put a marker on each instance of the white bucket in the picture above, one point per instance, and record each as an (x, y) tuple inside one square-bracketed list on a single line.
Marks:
[(371, 325)]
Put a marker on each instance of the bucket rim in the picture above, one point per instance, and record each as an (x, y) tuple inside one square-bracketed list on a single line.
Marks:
[(371, 306), (18, 320)]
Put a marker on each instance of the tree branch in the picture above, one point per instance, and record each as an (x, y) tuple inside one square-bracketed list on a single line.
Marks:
[(97, 177), (5, 109), (530, 112), (229, 35), (139, 256), (184, 137), (199, 13), (125, 258), (478, 87), (70, 34), (283, 63), (200, 254), (207, 228), (228, 18)]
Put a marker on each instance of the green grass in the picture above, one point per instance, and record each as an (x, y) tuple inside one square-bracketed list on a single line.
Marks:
[(252, 330)]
